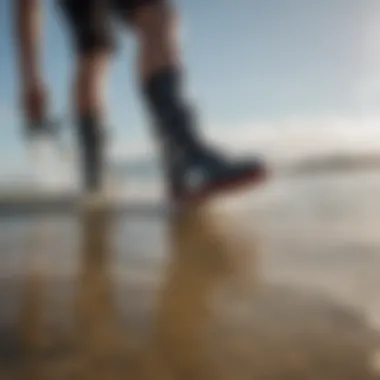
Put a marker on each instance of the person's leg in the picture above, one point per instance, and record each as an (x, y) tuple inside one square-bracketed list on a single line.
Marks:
[(89, 105), (161, 71), (89, 87), (89, 22), (162, 76)]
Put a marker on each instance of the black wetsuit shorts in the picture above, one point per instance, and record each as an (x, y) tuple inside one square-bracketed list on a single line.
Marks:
[(91, 21)]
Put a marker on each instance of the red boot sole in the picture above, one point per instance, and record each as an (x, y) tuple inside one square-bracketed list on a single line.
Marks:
[(252, 179)]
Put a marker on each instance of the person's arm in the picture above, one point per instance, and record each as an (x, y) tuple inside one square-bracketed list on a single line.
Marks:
[(28, 24), (28, 31)]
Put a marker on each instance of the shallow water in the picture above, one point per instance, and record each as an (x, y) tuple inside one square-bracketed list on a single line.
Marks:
[(280, 284)]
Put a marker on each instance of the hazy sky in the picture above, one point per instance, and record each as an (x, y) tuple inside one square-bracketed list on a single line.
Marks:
[(250, 63)]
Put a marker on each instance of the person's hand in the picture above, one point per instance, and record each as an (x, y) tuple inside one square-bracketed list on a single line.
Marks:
[(34, 103)]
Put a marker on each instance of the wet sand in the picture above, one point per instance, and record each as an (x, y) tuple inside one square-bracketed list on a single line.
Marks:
[(284, 289)]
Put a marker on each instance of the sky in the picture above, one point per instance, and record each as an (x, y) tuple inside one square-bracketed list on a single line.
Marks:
[(252, 65)]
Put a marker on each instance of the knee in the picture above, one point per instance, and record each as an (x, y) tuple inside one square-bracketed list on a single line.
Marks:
[(157, 25), (89, 81), (91, 69)]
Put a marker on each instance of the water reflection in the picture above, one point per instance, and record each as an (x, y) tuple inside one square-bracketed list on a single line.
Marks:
[(98, 337), (216, 314), (201, 260)]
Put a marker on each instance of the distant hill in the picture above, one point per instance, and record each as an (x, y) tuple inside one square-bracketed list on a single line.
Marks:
[(150, 168), (335, 162)]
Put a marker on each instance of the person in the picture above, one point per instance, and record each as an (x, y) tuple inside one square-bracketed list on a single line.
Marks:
[(194, 169)]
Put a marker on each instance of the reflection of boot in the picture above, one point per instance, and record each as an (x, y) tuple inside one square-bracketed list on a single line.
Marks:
[(98, 336), (33, 334), (199, 262)]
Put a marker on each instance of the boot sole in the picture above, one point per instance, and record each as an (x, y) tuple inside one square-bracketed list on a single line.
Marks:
[(251, 179)]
